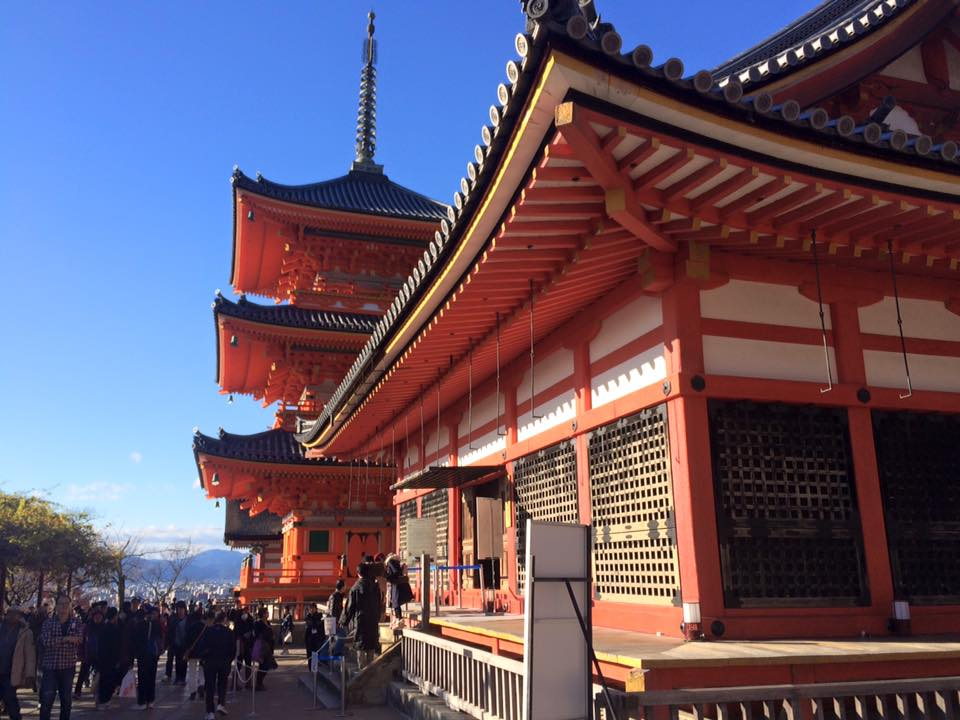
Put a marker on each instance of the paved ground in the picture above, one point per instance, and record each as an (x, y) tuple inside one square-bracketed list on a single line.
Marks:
[(284, 699)]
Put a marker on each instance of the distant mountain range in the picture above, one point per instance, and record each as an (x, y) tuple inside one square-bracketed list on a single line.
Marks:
[(207, 566)]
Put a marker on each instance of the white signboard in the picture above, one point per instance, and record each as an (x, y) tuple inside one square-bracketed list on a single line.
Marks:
[(556, 660), (421, 537)]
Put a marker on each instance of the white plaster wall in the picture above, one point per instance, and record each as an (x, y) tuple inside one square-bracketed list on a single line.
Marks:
[(562, 408), (643, 369), (549, 370), (927, 372), (921, 319), (412, 458), (431, 448), (908, 66), (633, 320), (484, 411), (763, 359), (483, 445), (760, 303), (320, 567)]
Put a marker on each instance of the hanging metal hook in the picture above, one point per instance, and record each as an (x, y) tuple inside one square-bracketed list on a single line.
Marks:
[(470, 398), (903, 342), (533, 395), (499, 434), (823, 319)]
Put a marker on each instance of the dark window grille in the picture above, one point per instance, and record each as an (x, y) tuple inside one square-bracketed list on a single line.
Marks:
[(918, 458), (787, 518), (435, 505), (634, 526), (408, 510), (545, 486), (319, 541)]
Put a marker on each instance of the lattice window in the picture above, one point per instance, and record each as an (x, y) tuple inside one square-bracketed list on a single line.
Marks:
[(435, 505), (631, 495), (918, 457), (545, 484), (786, 506), (407, 510)]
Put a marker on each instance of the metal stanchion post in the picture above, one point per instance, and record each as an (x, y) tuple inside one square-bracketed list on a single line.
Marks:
[(425, 588), (316, 669), (253, 692), (343, 686)]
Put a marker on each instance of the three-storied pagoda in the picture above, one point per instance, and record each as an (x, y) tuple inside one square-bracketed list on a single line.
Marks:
[(332, 255), (712, 316)]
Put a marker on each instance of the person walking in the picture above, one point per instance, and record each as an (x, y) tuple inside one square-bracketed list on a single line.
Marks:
[(177, 645), (88, 649), (59, 643), (363, 606), (263, 646), (398, 588), (148, 645), (243, 626), (216, 648), (199, 623), (286, 630), (18, 661), (313, 631), (108, 659)]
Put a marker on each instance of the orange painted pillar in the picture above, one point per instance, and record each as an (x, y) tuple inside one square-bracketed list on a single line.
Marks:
[(693, 495), (510, 528), (850, 368), (584, 401)]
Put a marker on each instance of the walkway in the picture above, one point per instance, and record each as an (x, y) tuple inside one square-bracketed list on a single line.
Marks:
[(285, 698)]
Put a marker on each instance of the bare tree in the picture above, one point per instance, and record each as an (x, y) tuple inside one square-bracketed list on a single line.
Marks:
[(162, 578), (124, 551)]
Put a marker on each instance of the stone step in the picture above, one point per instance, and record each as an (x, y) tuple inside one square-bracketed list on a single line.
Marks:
[(415, 705)]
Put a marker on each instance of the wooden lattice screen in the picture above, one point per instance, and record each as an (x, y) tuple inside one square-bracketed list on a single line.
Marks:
[(787, 518), (407, 510), (918, 456), (634, 527), (545, 485), (435, 505)]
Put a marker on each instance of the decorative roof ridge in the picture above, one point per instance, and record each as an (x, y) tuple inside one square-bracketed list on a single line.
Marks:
[(294, 316), (276, 446), (570, 20), (400, 202)]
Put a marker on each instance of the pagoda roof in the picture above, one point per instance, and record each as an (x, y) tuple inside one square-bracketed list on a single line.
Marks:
[(575, 29), (272, 446), (294, 316), (359, 191), (242, 529), (831, 25)]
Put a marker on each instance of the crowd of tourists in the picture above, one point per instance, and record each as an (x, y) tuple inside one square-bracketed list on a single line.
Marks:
[(117, 651), (382, 584)]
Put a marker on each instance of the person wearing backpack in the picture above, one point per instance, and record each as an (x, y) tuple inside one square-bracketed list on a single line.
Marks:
[(216, 647), (176, 645)]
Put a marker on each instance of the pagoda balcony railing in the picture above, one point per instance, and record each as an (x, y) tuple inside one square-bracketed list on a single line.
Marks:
[(286, 576), (902, 699)]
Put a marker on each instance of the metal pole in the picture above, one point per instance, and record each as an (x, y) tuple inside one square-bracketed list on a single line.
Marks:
[(483, 591), (253, 692), (424, 592), (343, 685)]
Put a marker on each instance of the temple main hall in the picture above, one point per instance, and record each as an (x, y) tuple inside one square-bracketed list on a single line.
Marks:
[(713, 315)]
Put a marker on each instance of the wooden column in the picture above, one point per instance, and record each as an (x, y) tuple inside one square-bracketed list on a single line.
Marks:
[(850, 368), (580, 346), (454, 516), (509, 390), (693, 496)]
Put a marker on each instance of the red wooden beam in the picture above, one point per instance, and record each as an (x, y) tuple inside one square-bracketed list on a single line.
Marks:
[(621, 203)]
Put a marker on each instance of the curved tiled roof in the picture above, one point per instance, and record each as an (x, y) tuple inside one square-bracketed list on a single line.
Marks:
[(576, 27), (359, 191), (292, 316), (829, 26), (272, 446), (240, 528)]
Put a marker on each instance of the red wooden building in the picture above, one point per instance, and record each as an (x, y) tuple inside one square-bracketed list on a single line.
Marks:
[(712, 315)]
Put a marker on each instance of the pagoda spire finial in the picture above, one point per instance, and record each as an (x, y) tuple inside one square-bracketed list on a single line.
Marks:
[(366, 144)]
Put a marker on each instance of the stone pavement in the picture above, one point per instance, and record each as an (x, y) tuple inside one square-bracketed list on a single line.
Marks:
[(284, 699)]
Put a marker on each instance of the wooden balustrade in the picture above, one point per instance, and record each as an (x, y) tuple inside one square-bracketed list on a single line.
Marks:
[(476, 682), (929, 698)]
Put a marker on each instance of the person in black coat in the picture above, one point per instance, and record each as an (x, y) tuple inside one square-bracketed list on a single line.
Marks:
[(363, 607), (147, 645), (216, 648), (265, 639), (108, 659)]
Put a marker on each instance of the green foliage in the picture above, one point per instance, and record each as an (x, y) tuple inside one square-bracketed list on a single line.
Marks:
[(39, 538)]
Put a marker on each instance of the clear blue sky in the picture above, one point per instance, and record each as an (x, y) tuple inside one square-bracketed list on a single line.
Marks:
[(120, 123)]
